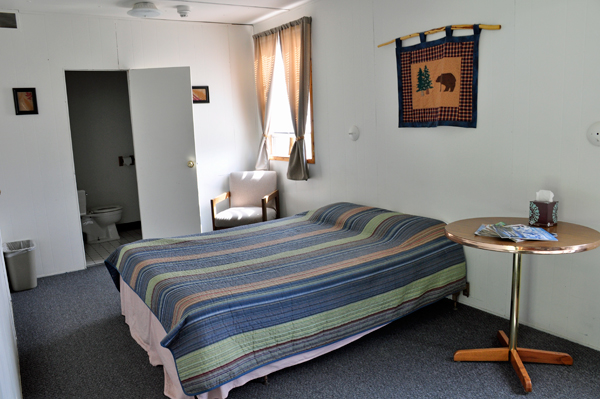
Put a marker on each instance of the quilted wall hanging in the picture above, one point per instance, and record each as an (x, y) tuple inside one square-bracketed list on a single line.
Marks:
[(437, 80)]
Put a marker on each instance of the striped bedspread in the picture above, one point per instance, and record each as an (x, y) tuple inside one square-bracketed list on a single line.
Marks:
[(235, 300)]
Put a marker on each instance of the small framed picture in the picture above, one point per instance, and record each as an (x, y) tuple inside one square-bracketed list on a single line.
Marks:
[(25, 101), (200, 94)]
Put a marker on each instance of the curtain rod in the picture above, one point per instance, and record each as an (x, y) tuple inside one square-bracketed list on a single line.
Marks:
[(454, 27)]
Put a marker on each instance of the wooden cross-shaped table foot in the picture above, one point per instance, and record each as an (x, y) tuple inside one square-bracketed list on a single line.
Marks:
[(515, 356)]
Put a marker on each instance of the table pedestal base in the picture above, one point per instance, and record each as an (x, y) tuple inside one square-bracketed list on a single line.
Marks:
[(516, 356), (571, 238)]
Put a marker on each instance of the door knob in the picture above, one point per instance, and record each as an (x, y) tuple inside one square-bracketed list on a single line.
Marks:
[(191, 164)]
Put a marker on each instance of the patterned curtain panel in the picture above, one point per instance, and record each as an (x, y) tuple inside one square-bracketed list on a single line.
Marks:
[(296, 51), (437, 81)]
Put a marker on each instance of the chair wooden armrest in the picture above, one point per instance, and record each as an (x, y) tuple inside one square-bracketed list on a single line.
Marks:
[(213, 207), (265, 200)]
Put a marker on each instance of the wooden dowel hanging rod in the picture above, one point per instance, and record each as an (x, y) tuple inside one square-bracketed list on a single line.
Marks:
[(443, 28)]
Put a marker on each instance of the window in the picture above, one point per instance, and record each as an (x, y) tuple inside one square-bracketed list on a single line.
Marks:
[(288, 46), (281, 133)]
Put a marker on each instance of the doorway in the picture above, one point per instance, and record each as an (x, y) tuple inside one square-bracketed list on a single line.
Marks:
[(100, 121)]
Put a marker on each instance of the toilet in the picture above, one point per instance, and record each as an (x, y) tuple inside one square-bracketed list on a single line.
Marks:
[(99, 223)]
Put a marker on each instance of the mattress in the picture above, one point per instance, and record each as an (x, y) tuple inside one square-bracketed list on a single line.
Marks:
[(148, 333)]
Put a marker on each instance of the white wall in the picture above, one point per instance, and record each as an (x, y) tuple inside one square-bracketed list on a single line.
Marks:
[(227, 130), (539, 90), (39, 198)]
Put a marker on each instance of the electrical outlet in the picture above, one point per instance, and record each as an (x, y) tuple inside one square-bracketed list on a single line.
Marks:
[(593, 134)]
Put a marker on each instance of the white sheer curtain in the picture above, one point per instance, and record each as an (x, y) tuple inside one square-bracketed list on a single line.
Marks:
[(264, 62)]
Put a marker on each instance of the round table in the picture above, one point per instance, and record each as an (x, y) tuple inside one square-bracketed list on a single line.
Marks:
[(571, 238)]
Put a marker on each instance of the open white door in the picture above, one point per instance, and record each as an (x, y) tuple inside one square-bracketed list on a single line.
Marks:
[(163, 140), (10, 383)]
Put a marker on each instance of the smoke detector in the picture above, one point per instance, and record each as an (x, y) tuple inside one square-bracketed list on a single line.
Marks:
[(183, 11), (144, 9)]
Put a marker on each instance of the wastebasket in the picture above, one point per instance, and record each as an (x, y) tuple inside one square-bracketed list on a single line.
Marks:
[(20, 264)]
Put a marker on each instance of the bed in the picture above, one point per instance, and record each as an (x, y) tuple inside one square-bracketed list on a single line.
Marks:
[(221, 308)]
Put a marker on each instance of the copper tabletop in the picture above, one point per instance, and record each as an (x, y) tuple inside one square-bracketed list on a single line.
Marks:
[(571, 237)]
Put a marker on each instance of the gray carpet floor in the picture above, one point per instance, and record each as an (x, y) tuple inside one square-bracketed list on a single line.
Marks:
[(74, 343)]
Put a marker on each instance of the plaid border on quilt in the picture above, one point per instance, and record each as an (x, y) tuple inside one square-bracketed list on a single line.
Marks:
[(463, 112)]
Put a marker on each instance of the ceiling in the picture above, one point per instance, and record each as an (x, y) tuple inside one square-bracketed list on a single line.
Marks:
[(216, 11)]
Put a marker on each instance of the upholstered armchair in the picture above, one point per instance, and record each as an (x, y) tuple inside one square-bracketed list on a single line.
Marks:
[(253, 197)]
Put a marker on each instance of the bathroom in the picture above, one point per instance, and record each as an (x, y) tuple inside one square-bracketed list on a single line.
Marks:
[(100, 124)]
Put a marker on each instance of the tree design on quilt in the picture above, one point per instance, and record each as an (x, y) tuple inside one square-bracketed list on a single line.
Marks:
[(424, 82)]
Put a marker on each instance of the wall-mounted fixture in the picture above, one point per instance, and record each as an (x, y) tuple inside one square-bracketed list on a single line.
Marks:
[(354, 133), (593, 134), (127, 161), (144, 9), (8, 20), (183, 11)]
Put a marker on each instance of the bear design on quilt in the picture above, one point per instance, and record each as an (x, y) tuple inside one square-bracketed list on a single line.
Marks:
[(448, 80)]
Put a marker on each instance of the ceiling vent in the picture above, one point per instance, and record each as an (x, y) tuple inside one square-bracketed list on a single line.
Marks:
[(8, 20)]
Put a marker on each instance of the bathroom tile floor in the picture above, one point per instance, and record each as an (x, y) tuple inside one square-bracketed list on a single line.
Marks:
[(96, 253)]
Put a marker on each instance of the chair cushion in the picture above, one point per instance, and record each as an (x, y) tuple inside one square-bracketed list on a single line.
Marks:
[(242, 215), (248, 188)]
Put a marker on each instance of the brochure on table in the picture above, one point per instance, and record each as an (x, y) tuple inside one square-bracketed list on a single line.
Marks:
[(515, 232)]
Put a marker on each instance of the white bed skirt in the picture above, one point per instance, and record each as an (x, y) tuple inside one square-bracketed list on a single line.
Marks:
[(148, 332)]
